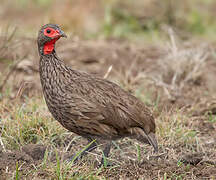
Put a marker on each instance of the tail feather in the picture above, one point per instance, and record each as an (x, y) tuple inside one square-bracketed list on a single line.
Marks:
[(145, 138), (153, 141)]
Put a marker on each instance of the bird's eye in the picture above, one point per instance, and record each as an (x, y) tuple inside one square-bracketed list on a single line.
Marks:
[(48, 31)]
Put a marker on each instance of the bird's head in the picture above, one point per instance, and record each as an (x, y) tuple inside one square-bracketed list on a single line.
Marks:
[(47, 37)]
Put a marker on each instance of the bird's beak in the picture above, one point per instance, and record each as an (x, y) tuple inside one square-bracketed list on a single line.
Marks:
[(62, 34)]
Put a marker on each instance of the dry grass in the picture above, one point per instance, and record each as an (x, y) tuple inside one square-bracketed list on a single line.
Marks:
[(28, 122), (182, 65), (7, 44)]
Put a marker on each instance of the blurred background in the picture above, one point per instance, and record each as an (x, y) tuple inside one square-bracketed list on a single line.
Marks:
[(104, 33), (113, 18), (161, 51)]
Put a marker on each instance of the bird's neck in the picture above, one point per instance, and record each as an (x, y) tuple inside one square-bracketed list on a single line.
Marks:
[(53, 71), (51, 68), (50, 63)]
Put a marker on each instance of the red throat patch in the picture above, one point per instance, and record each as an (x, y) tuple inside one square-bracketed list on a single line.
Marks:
[(49, 46)]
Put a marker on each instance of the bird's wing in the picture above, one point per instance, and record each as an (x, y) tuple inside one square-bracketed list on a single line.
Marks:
[(117, 107)]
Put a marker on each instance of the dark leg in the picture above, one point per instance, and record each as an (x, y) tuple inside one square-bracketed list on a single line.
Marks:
[(106, 152), (83, 153)]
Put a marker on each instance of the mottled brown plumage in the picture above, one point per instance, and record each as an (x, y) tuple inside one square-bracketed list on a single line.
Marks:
[(91, 107)]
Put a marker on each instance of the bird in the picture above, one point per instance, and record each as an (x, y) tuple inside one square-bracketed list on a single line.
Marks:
[(92, 107)]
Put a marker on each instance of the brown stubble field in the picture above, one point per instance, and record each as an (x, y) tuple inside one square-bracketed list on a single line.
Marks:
[(174, 77)]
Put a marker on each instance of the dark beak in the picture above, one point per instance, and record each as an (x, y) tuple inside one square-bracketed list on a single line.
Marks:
[(62, 34)]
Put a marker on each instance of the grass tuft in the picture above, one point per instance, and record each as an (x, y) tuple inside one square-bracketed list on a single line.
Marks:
[(181, 66)]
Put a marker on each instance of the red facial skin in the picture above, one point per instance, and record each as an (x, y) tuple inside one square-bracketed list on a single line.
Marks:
[(55, 35)]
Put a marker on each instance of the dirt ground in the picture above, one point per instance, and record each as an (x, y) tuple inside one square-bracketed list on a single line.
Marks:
[(175, 160)]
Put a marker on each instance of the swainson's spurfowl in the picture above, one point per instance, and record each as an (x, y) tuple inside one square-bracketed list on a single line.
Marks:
[(92, 107)]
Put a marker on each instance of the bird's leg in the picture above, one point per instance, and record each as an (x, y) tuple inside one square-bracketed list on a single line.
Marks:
[(90, 148), (106, 152)]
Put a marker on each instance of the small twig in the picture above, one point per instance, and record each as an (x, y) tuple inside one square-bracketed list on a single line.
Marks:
[(108, 72), (21, 89), (69, 144), (174, 48), (2, 144)]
